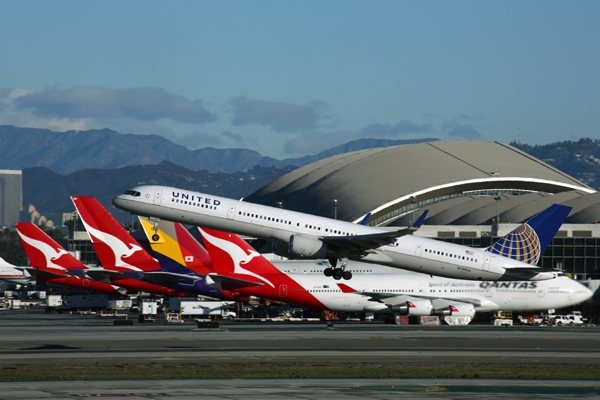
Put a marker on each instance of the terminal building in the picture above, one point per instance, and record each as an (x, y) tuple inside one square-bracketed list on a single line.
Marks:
[(467, 186), (11, 197)]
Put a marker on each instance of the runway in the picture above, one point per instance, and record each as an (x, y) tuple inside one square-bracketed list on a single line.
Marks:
[(358, 359), (36, 337)]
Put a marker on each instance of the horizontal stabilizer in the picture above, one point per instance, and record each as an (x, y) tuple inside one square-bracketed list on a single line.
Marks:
[(101, 275), (534, 270), (233, 283), (159, 277), (43, 273)]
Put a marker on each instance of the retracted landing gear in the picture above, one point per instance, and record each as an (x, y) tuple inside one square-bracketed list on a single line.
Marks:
[(338, 273), (155, 221)]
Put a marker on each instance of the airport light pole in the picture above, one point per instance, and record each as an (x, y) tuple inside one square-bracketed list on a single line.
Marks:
[(336, 202)]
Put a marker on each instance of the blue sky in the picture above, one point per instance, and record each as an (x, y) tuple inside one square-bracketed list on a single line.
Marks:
[(289, 78)]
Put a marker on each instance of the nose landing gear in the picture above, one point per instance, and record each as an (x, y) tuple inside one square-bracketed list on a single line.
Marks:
[(155, 221)]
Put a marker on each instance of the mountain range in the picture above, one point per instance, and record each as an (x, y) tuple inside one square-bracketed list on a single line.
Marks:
[(67, 152)]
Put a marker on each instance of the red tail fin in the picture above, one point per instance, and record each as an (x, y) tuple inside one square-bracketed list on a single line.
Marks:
[(231, 255), (43, 251), (113, 244)]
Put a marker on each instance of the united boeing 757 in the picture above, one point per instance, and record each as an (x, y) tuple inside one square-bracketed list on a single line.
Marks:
[(512, 258)]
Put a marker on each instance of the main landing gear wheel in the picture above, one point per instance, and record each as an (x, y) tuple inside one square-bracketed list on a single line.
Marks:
[(337, 274), (155, 237), (347, 275), (328, 271)]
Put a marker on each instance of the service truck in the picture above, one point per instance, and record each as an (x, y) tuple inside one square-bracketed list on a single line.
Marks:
[(223, 309), (83, 302)]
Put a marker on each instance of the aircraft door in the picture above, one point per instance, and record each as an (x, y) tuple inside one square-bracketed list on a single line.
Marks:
[(542, 292), (418, 250), (486, 263), (421, 289), (157, 196), (282, 290), (364, 288), (231, 213)]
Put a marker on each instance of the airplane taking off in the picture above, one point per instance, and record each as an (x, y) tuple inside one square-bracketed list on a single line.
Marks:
[(239, 267), (512, 258), (51, 263), (10, 273)]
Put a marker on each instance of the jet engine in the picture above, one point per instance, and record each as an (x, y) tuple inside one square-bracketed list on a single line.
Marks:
[(418, 307), (457, 310), (308, 247)]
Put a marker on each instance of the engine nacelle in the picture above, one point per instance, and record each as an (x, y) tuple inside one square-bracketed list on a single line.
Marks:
[(307, 247), (418, 307), (462, 310)]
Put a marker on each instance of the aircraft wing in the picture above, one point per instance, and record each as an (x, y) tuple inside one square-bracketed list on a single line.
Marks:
[(215, 280), (159, 277), (391, 299), (364, 243)]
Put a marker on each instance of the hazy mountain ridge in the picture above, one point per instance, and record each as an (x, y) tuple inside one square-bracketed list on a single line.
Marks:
[(50, 192), (67, 152), (579, 159)]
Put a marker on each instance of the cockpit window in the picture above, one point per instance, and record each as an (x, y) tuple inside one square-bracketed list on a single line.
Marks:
[(132, 193)]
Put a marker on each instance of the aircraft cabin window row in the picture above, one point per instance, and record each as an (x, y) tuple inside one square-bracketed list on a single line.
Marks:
[(194, 204), (441, 253), (246, 214)]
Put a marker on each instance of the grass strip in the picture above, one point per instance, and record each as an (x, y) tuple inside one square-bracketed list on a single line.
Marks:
[(298, 370)]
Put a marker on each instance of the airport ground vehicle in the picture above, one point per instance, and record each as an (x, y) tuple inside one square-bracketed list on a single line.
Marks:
[(83, 302)]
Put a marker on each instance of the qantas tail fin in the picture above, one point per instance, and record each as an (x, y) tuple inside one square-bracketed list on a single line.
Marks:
[(113, 244), (528, 242), (232, 256), (176, 248), (43, 251)]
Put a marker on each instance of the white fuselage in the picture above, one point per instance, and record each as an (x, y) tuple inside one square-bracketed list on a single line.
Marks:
[(270, 223), (488, 296), (14, 275)]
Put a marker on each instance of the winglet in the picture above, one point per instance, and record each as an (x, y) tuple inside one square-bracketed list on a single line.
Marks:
[(420, 220), (365, 220), (346, 288)]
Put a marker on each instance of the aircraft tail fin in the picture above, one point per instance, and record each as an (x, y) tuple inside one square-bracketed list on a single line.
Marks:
[(230, 255), (528, 242), (176, 249), (113, 244), (43, 251)]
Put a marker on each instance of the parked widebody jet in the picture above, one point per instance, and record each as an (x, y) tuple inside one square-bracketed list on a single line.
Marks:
[(239, 267), (51, 263), (178, 271), (10, 273), (512, 258)]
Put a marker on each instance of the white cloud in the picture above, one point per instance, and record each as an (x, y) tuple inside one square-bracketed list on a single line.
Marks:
[(280, 117), (143, 104)]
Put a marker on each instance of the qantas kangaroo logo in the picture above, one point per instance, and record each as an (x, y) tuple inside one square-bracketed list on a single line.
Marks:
[(121, 250), (48, 251), (237, 254)]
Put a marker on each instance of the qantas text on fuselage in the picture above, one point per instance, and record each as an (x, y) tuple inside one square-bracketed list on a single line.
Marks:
[(305, 235)]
